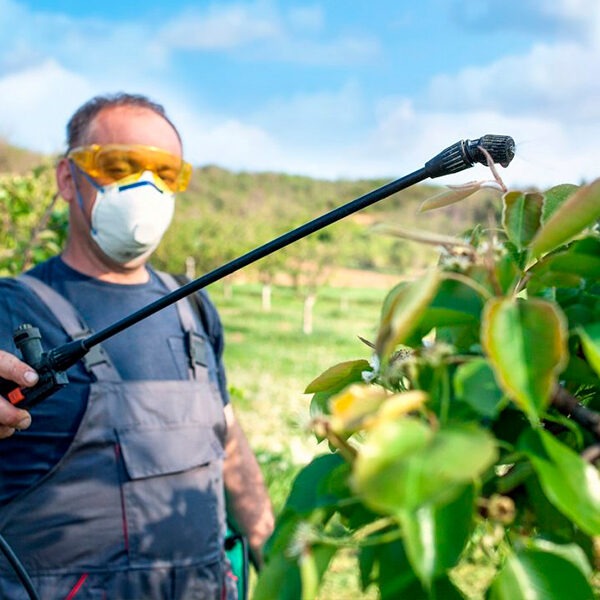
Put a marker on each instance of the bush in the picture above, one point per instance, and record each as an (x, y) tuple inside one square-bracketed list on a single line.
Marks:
[(33, 225), (471, 430)]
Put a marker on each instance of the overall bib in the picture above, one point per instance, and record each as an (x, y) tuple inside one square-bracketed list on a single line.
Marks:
[(135, 508)]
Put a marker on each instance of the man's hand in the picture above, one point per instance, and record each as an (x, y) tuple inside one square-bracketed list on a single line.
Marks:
[(11, 417)]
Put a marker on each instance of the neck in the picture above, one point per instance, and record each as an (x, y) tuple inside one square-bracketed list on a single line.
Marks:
[(92, 263)]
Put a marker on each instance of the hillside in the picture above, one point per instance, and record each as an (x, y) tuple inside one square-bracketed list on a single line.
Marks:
[(224, 214), (17, 160)]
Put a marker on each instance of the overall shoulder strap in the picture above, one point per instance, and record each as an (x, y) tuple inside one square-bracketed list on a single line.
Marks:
[(196, 341), (195, 301), (96, 361)]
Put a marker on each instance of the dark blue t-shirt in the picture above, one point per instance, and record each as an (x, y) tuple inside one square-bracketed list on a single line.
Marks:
[(154, 348)]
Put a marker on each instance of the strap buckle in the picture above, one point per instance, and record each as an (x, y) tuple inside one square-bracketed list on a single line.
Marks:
[(196, 349)]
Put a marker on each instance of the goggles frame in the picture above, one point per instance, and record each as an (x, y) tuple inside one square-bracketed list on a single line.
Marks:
[(129, 160)]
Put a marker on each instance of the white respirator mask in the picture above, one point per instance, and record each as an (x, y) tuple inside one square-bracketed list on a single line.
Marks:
[(129, 219)]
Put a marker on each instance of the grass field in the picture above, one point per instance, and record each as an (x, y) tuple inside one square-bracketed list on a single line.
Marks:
[(270, 362)]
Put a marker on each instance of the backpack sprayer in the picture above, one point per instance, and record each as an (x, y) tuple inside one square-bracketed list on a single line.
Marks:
[(51, 366)]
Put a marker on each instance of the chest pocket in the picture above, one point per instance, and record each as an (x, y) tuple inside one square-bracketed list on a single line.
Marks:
[(172, 493)]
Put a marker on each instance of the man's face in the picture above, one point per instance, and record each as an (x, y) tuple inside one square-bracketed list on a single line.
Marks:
[(122, 126), (127, 125)]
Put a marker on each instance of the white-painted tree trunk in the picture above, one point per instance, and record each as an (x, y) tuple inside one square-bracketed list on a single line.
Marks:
[(307, 315), (190, 267), (266, 297)]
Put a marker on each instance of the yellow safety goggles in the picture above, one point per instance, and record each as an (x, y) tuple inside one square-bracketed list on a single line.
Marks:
[(111, 163)]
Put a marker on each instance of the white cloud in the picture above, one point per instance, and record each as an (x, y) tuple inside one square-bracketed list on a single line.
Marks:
[(555, 81), (266, 34), (307, 18), (36, 103), (220, 27), (315, 118), (575, 19), (227, 142)]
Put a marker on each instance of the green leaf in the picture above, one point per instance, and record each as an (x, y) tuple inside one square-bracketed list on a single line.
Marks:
[(338, 376), (579, 211), (441, 588), (554, 197), (307, 489), (404, 465), (387, 565), (313, 563), (526, 342), (570, 483), (521, 216), (571, 552), (590, 340), (579, 370), (476, 385), (454, 303), (581, 260), (435, 534), (402, 311), (537, 575), (279, 579), (549, 520), (283, 578)]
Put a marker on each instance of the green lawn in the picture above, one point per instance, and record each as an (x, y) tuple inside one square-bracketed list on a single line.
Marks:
[(270, 362)]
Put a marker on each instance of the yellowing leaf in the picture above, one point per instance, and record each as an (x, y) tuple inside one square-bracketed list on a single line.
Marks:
[(351, 407), (366, 406), (526, 342), (579, 211), (399, 405)]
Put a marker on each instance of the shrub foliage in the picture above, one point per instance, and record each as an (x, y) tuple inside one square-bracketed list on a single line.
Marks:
[(469, 432)]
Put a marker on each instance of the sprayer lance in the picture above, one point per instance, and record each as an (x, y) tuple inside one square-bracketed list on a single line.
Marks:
[(51, 365)]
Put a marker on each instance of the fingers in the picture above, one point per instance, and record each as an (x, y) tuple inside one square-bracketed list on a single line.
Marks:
[(11, 417), (16, 370)]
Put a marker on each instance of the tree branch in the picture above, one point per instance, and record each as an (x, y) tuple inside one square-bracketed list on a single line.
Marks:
[(568, 405)]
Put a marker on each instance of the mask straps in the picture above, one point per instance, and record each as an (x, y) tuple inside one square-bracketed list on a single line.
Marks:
[(74, 170)]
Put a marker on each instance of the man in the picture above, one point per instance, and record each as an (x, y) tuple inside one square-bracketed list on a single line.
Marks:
[(113, 486)]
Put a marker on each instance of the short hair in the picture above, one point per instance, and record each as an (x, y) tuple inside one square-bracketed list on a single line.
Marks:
[(79, 123)]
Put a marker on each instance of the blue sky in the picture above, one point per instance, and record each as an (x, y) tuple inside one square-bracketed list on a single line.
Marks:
[(327, 88)]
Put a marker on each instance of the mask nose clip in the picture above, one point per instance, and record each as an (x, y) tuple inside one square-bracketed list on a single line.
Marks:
[(146, 178)]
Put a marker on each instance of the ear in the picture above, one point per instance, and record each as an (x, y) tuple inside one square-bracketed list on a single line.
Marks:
[(65, 181)]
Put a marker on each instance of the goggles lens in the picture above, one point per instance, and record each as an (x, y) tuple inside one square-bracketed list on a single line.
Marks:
[(114, 162)]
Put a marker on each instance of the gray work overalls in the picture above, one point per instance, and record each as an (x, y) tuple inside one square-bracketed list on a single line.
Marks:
[(135, 508)]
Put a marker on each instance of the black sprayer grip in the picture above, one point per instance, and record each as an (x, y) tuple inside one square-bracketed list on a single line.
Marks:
[(50, 367), (465, 153), (49, 382)]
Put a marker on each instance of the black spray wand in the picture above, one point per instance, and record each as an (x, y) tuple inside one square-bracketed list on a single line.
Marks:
[(51, 365)]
